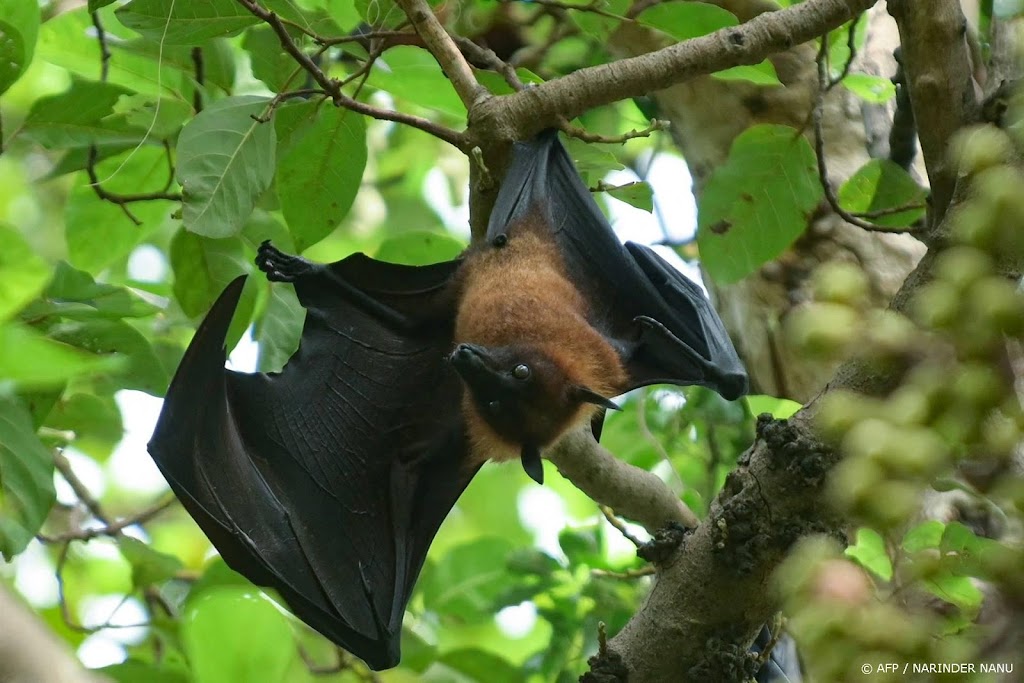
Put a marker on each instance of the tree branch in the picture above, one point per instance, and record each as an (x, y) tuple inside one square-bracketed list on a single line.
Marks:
[(523, 114), (29, 651), (936, 61), (630, 491), (445, 52)]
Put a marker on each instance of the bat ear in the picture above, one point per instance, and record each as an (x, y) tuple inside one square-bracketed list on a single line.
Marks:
[(532, 464), (585, 395)]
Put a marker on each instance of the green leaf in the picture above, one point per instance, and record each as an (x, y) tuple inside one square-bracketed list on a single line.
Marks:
[(26, 477), (881, 184), (77, 117), (762, 73), (599, 26), (479, 665), (141, 369), (411, 74), (75, 294), (22, 274), (19, 28), (957, 590), (467, 580), (134, 671), (149, 566), (270, 63), (780, 408), (203, 267), (319, 175), (31, 360), (94, 420), (582, 546), (98, 232), (685, 20), (99, 4), (637, 194), (185, 23), (219, 630), (873, 89), (417, 654), (225, 162), (163, 117), (419, 248), (756, 204), (280, 328), (870, 553), (924, 536)]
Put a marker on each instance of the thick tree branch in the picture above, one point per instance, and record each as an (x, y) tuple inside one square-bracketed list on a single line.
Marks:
[(632, 492), (445, 51), (30, 652), (523, 114), (716, 589), (936, 61)]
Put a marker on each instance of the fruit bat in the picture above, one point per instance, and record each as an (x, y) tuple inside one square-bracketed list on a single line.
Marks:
[(327, 481)]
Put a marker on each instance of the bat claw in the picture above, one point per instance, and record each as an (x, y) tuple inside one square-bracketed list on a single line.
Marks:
[(279, 266)]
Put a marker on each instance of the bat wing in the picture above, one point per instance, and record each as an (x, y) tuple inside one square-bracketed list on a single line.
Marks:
[(662, 324), (326, 481)]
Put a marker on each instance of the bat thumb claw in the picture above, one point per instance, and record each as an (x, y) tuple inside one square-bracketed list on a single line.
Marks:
[(532, 464)]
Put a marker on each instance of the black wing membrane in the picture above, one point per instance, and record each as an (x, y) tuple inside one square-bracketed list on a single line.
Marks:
[(326, 481), (662, 324)]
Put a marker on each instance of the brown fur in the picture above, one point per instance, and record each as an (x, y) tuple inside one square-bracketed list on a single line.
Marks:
[(519, 294)]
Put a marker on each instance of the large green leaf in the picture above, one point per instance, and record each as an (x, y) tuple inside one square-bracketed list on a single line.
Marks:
[(419, 248), (141, 369), (75, 294), (320, 173), (26, 478), (881, 184), (78, 117), (220, 628), (31, 360), (22, 274), (756, 204), (411, 74), (19, 27), (870, 553), (269, 62), (98, 232), (203, 267), (467, 580), (225, 162), (686, 20), (185, 22), (93, 420)]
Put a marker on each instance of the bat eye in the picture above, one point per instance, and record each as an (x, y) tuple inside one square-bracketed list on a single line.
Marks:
[(494, 407), (521, 371)]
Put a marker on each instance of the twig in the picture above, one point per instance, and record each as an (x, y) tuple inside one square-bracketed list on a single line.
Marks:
[(101, 38), (889, 211), (587, 136), (81, 491), (659, 448), (819, 151), (777, 629), (445, 51), (109, 528), (283, 97), (489, 59), (851, 44), (333, 89), (609, 515), (628, 575), (592, 8), (200, 72)]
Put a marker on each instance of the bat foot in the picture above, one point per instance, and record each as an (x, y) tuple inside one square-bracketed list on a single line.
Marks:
[(279, 266)]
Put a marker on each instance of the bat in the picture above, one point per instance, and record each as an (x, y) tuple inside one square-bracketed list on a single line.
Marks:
[(328, 481)]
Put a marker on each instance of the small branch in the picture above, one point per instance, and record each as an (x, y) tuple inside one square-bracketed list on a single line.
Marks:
[(587, 136), (819, 151), (445, 52), (111, 528), (333, 87), (101, 38), (632, 492), (628, 575), (283, 97), (609, 515), (878, 213), (592, 8), (200, 74), (851, 44), (487, 58), (80, 490)]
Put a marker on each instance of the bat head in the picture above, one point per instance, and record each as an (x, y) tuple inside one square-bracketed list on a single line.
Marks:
[(521, 392)]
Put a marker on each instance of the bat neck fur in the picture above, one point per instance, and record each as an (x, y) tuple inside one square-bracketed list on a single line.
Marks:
[(520, 295)]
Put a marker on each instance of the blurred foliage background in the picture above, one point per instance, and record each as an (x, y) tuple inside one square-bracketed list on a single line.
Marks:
[(146, 156)]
